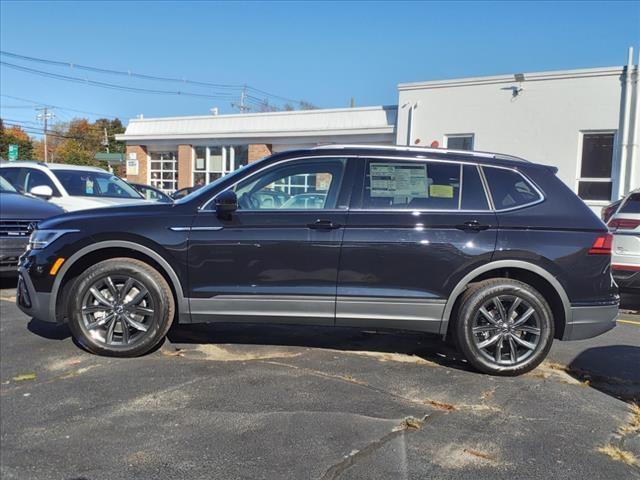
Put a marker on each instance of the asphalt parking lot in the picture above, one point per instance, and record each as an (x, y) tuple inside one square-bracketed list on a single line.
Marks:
[(229, 402)]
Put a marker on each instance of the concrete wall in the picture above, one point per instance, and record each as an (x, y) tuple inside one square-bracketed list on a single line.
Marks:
[(543, 123)]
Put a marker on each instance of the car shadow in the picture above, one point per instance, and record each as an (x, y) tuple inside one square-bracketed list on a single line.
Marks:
[(425, 346), (630, 301), (49, 330), (8, 281), (612, 369)]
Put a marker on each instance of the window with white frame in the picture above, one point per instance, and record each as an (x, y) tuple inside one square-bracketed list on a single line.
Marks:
[(595, 174), (211, 163), (462, 141), (163, 170)]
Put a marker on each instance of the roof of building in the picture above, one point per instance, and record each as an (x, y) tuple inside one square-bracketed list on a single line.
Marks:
[(513, 78), (300, 123)]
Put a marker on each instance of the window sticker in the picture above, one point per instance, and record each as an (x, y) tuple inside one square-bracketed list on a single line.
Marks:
[(398, 180), (441, 191)]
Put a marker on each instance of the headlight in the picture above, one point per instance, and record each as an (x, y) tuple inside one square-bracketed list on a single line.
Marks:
[(41, 238)]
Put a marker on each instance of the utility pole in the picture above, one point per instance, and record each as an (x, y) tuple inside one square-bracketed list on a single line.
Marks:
[(242, 106), (44, 117), (105, 140)]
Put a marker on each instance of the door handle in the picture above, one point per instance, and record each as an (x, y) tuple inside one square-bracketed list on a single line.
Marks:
[(473, 226), (323, 225)]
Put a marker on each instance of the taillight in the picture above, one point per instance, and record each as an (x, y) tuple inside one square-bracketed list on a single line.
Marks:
[(602, 245), (624, 224)]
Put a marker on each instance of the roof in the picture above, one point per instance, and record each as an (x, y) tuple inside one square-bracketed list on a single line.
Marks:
[(511, 78), (301, 123), (52, 166), (401, 151)]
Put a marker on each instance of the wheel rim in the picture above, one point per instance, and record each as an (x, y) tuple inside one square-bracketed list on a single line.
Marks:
[(506, 330), (117, 310)]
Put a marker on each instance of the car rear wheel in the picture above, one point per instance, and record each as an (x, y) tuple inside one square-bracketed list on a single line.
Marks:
[(121, 307), (505, 327)]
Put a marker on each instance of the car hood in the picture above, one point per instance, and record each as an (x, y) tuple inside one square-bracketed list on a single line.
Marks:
[(83, 203), (76, 218), (20, 207)]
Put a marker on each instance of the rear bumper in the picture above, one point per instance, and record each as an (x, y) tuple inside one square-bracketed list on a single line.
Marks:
[(590, 321), (627, 276)]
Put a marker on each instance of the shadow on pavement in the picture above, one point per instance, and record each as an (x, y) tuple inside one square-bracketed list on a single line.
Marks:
[(427, 347), (50, 330), (612, 369), (8, 281)]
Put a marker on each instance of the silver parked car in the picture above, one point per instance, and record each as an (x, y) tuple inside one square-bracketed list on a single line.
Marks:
[(625, 226)]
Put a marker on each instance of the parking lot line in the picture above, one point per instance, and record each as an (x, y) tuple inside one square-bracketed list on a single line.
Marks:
[(632, 322)]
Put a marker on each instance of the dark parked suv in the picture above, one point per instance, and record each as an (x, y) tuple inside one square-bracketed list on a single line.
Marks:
[(488, 249)]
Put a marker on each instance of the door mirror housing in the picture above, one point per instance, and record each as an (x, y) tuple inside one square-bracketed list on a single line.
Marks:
[(42, 191), (226, 203)]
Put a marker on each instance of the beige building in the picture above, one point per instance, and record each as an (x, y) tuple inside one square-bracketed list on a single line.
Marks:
[(176, 152)]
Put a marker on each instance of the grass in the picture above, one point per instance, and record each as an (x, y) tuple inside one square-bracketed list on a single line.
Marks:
[(619, 455)]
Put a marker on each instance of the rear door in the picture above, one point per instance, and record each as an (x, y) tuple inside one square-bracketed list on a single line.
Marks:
[(415, 229)]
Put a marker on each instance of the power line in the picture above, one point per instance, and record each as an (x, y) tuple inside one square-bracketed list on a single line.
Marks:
[(36, 102), (150, 77), (111, 86)]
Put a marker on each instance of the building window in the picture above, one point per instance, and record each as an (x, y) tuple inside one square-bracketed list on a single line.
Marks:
[(460, 141), (211, 163), (163, 170), (595, 182)]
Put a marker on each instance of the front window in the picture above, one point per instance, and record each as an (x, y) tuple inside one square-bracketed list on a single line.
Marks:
[(595, 180), (211, 163), (303, 185), (95, 184), (163, 170)]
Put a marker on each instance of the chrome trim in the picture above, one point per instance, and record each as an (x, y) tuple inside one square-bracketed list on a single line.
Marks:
[(487, 191), (195, 229)]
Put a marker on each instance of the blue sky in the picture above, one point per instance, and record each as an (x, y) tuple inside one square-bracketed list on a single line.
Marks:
[(325, 53)]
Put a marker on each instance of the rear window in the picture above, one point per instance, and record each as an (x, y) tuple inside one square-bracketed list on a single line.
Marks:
[(509, 189), (632, 205)]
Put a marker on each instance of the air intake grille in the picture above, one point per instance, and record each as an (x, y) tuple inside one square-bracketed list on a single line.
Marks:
[(16, 228)]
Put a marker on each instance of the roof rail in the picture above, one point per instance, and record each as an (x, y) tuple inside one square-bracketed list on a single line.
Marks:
[(472, 153)]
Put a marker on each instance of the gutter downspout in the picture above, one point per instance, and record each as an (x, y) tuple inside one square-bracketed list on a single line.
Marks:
[(634, 126), (624, 127)]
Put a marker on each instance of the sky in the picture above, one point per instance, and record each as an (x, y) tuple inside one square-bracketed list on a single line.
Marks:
[(325, 53)]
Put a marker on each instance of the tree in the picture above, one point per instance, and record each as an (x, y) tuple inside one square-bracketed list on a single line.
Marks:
[(14, 135)]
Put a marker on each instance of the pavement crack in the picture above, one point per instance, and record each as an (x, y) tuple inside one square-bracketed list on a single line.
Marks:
[(407, 424)]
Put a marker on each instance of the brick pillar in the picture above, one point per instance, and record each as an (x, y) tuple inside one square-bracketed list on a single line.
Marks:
[(185, 161), (141, 156), (258, 151)]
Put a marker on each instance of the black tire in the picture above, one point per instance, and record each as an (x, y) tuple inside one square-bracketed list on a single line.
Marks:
[(474, 328), (154, 311)]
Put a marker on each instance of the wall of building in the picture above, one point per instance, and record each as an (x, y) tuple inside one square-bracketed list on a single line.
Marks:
[(542, 123), (139, 153)]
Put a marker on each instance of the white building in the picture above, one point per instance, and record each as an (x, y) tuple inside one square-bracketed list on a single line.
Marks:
[(585, 122)]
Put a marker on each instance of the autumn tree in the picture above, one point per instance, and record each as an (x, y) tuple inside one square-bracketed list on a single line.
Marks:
[(14, 135)]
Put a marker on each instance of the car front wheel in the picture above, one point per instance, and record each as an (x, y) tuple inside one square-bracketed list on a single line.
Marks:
[(504, 327), (121, 307)]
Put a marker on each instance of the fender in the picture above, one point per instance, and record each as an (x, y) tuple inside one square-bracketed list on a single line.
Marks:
[(182, 303), (462, 285)]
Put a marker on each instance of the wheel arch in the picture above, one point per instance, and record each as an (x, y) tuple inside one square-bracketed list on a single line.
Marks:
[(113, 249), (530, 273)]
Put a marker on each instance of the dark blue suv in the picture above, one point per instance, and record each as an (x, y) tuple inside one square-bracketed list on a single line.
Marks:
[(490, 250)]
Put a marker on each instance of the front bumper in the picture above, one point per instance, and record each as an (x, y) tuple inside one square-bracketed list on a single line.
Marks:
[(33, 303), (590, 321)]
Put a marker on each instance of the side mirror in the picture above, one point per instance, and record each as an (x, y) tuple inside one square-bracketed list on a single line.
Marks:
[(42, 191), (226, 203)]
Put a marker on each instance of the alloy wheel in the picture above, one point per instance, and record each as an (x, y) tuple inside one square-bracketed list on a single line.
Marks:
[(117, 310), (506, 330)]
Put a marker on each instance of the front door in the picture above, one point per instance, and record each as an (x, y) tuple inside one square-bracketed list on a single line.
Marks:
[(416, 228), (276, 258)]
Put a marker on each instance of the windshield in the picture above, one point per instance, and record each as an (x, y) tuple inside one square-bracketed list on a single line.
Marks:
[(95, 184), (202, 191), (6, 187)]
